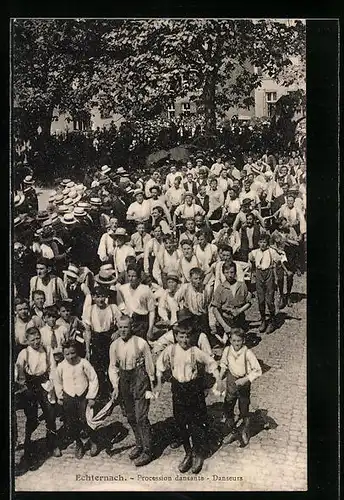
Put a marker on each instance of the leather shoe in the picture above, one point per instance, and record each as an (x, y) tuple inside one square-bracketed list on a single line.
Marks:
[(232, 436), (197, 464), (245, 435), (186, 463), (135, 452), (79, 450), (281, 303), (57, 452), (143, 459), (262, 327), (93, 449), (271, 327), (175, 444)]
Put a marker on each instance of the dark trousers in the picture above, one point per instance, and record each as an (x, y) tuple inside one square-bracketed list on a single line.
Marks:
[(140, 323), (100, 360), (190, 414), (74, 408), (234, 394), (133, 385), (34, 396), (265, 287)]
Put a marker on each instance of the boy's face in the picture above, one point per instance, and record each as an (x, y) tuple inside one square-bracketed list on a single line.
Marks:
[(263, 244), (196, 280), (39, 300), (190, 225), (198, 221), (65, 313), (154, 194), (183, 338), (124, 329), (34, 340), (100, 300), (140, 228), (230, 274), (290, 202), (236, 341), (132, 278), (139, 198), (157, 232), (187, 251), (50, 320), (188, 200), (226, 256), (22, 311), (249, 221), (202, 240), (169, 245), (171, 285), (70, 355), (155, 213), (42, 270), (213, 185)]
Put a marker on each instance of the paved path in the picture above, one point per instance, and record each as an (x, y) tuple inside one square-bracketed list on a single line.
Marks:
[(275, 459)]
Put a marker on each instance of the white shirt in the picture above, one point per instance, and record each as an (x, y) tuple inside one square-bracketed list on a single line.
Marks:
[(266, 259), (184, 367), (20, 328), (166, 263), (224, 184), (101, 320), (233, 206), (149, 184), (152, 249), (168, 304), (252, 195), (241, 363), (294, 216), (106, 247), (189, 211), (54, 290), (216, 168), (206, 256), (174, 196), (138, 300), (170, 179), (74, 380), (168, 339), (185, 267), (128, 355), (119, 256), (60, 334), (35, 362), (140, 211)]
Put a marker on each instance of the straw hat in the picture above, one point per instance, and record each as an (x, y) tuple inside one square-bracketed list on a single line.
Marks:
[(47, 223), (80, 188), (105, 169), (65, 192), (19, 199), (42, 215), (70, 184), (138, 191), (72, 271), (59, 199), (74, 196), (65, 182), (68, 219), (106, 275), (121, 171), (51, 199), (173, 276), (84, 205), (68, 202), (79, 212), (120, 231), (96, 202), (29, 180), (63, 209)]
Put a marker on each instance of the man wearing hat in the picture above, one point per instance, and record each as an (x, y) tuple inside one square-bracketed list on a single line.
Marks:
[(240, 219), (154, 180), (140, 210), (30, 194), (121, 250), (187, 210)]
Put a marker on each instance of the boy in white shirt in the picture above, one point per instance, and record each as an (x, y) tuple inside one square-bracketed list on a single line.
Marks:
[(76, 385), (242, 367), (36, 365)]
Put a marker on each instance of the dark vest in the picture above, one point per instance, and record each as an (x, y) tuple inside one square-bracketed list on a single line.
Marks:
[(244, 237)]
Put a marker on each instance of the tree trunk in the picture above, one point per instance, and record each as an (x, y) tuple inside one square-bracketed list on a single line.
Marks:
[(209, 106), (45, 122)]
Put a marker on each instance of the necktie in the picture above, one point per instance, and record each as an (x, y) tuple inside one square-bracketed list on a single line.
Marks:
[(53, 339)]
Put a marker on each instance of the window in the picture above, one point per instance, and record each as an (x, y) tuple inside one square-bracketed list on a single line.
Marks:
[(186, 107), (271, 98), (171, 110)]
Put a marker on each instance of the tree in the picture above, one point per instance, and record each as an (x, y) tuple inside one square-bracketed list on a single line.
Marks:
[(53, 66), (151, 62)]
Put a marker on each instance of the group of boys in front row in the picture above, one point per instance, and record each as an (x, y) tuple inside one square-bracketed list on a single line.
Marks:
[(185, 360)]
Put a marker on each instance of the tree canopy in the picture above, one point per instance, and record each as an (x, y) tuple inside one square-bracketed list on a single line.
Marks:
[(136, 67)]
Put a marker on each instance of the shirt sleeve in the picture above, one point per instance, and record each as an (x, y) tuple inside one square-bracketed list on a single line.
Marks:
[(162, 362), (93, 383), (149, 364), (58, 381), (209, 363), (165, 340), (113, 369), (178, 210), (224, 358), (150, 301), (131, 210), (204, 345), (254, 368), (217, 299), (62, 289), (20, 363), (102, 250)]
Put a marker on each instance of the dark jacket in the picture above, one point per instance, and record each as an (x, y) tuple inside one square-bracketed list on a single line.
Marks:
[(194, 189), (204, 204)]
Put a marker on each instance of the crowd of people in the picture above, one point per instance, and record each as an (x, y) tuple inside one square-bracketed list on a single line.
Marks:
[(128, 281)]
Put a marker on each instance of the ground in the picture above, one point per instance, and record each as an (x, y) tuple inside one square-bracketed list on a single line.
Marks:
[(274, 460)]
